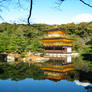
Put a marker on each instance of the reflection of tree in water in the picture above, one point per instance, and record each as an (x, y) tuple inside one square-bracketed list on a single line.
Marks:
[(82, 76), (87, 56), (89, 88), (20, 71)]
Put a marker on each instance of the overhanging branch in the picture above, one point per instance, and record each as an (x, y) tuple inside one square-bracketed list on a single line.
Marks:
[(86, 3), (82, 2)]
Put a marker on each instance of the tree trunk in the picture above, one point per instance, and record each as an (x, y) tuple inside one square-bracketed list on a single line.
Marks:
[(30, 12)]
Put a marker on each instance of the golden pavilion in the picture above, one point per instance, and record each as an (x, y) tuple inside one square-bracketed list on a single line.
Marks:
[(56, 41)]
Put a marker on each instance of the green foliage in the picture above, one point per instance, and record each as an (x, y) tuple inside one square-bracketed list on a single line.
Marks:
[(36, 46), (4, 41), (17, 44), (87, 50), (19, 38)]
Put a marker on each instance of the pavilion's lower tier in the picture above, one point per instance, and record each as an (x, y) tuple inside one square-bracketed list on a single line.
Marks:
[(55, 51), (58, 49)]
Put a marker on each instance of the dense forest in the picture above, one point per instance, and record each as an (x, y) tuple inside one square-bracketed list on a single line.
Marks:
[(18, 38)]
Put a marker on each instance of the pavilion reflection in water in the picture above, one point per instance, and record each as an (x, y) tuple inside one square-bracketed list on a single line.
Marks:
[(58, 68), (61, 60)]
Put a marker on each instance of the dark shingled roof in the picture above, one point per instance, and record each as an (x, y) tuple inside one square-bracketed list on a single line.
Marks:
[(58, 46), (55, 38), (55, 29)]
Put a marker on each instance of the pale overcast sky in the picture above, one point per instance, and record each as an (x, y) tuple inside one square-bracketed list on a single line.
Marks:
[(48, 12)]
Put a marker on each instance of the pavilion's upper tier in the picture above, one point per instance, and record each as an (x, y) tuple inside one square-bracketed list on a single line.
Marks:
[(55, 33)]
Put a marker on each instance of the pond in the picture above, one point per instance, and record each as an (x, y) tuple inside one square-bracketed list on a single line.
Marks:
[(35, 78), (30, 85)]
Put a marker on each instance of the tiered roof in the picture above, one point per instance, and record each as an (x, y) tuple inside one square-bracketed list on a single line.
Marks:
[(53, 40)]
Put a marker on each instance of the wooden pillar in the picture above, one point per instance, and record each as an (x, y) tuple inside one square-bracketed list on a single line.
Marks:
[(65, 50)]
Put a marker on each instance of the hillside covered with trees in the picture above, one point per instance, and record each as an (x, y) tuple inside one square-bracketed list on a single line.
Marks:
[(18, 38)]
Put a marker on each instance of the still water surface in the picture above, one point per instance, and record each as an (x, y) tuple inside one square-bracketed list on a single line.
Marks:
[(30, 85), (22, 78)]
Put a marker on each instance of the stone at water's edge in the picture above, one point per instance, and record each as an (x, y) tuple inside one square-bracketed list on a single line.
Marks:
[(10, 58), (35, 59)]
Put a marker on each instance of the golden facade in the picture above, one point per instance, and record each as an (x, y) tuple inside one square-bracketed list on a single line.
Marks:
[(56, 41)]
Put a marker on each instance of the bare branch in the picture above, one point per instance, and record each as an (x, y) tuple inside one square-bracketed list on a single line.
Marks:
[(61, 1), (19, 3), (80, 1), (1, 18), (86, 3)]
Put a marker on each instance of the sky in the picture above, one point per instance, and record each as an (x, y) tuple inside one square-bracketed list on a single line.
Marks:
[(47, 12)]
